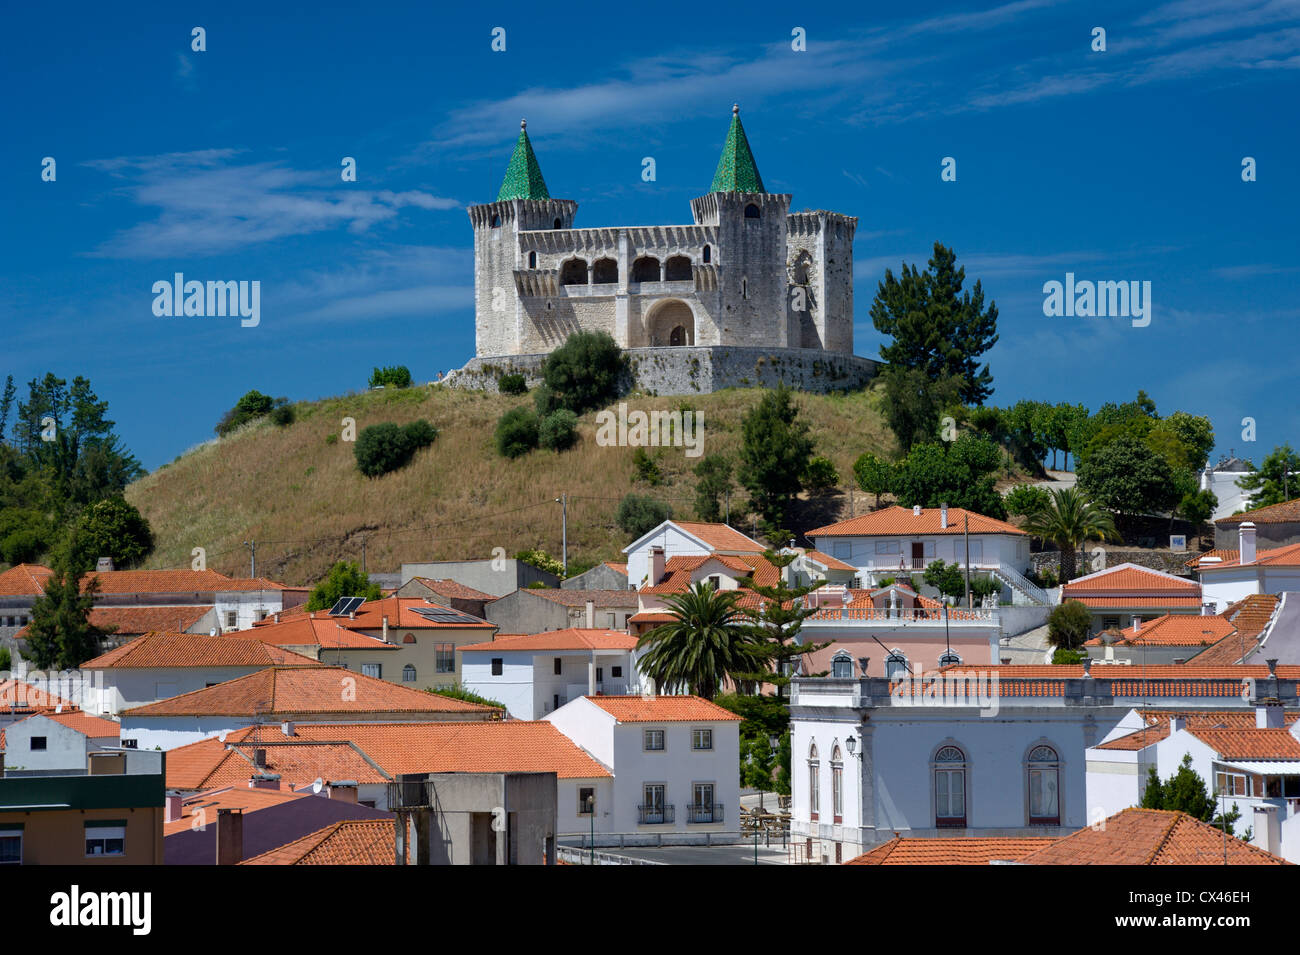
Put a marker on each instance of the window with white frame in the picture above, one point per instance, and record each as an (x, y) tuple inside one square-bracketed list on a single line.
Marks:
[(950, 787), (408, 674), (1231, 784), (889, 547), (1043, 773), (702, 739), (949, 658), (814, 781), (105, 840), (231, 619), (586, 800), (445, 658), (837, 785), (375, 670), (895, 665), (842, 666), (654, 740)]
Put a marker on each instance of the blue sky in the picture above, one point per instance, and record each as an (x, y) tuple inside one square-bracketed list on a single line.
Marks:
[(224, 164)]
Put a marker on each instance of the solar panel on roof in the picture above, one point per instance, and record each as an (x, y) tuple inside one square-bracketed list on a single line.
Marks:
[(444, 615), (346, 605)]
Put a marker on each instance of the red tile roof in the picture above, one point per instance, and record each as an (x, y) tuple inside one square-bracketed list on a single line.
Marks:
[(1170, 630), (829, 562), (1249, 743), (572, 638), (662, 709), (1126, 579), (1288, 556), (1286, 512), (1158, 722), (91, 726), (679, 570), (24, 579), (130, 621), (898, 521), (174, 581), (721, 537), (168, 650), (956, 851), (286, 691), (348, 842), (1150, 837), (15, 694), (617, 566), (297, 761), (1249, 617), (1223, 553), (401, 612), (317, 629), (201, 808)]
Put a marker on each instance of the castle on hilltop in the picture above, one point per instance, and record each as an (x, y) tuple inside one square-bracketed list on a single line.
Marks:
[(747, 275)]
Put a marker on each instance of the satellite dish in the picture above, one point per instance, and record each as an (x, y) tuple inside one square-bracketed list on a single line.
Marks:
[(59, 708), (221, 737), (318, 785)]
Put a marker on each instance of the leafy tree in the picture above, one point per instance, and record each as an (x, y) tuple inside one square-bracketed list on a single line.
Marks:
[(1068, 625), (776, 622), (558, 430), (1271, 484), (393, 376), (1195, 432), (1185, 791), (946, 578), (6, 405), (25, 534), (250, 407), (112, 528), (704, 645), (1125, 475), (382, 448), (821, 476), (638, 514), (1068, 657), (585, 372), (713, 474), (458, 691), (936, 328), (517, 432), (762, 719), (6, 660), (1026, 499), (542, 561), (774, 455), (874, 475), (512, 384), (646, 469), (1197, 508), (914, 402), (960, 474), (1026, 425), (1067, 520), (60, 635), (345, 579)]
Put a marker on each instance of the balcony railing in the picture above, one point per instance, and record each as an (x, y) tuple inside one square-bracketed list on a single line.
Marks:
[(957, 616), (704, 812), (655, 815)]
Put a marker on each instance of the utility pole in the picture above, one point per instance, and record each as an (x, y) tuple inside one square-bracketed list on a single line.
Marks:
[(965, 520), (363, 554), (252, 557), (727, 520), (563, 501)]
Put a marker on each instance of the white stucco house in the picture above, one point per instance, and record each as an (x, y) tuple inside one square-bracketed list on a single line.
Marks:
[(56, 741), (675, 761), (535, 674), (1249, 571), (682, 539)]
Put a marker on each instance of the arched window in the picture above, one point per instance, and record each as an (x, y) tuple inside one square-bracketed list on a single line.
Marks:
[(408, 674), (950, 788), (1043, 768), (677, 269), (707, 256), (895, 665), (677, 336), (842, 666), (604, 272), (752, 212), (574, 272), (814, 787), (559, 224), (837, 786), (645, 269), (949, 658), (532, 260), (409, 638), (496, 221)]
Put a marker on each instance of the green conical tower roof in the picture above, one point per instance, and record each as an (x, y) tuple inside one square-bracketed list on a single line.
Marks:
[(737, 171), (523, 176)]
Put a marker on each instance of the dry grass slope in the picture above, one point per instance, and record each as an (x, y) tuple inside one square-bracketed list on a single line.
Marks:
[(304, 502)]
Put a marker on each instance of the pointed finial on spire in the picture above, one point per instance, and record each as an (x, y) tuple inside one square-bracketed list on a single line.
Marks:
[(735, 109), (523, 124)]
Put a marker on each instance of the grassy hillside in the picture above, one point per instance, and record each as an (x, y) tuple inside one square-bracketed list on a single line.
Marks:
[(303, 500)]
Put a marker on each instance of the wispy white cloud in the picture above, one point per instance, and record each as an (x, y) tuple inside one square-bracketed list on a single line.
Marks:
[(209, 205)]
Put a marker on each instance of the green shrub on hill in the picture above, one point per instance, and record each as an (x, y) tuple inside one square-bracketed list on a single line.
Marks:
[(382, 448)]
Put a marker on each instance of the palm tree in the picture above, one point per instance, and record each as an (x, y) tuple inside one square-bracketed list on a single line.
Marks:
[(704, 645), (1067, 520)]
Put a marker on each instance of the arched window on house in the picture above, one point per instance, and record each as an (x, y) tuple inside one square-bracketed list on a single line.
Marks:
[(842, 666), (1042, 770), (677, 269), (950, 788), (895, 665), (837, 786), (645, 269), (559, 224), (532, 260), (408, 674), (409, 638), (949, 658), (707, 256), (814, 782), (752, 212), (574, 272), (604, 272)]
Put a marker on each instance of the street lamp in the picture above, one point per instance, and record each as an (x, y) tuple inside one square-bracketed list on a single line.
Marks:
[(852, 745), (591, 811)]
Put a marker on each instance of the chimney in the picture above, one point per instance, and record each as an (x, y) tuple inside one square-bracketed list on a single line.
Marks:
[(1207, 610), (1177, 723), (591, 614), (344, 790), (212, 632), (230, 836), (264, 781), (1267, 829), (1268, 715), (172, 809), (287, 727), (1087, 666), (385, 628), (916, 510), (103, 564), (259, 758), (943, 516), (1137, 623), (656, 565), (1110, 653), (1246, 541), (277, 616)]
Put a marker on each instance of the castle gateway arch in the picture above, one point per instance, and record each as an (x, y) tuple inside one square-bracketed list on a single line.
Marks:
[(671, 322)]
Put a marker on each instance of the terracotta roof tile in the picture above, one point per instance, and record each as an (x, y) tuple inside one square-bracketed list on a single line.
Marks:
[(1288, 556), (403, 612), (661, 709), (24, 579), (957, 851), (1157, 727), (130, 621), (348, 842), (1284, 513), (1149, 837), (1174, 630), (897, 521), (1130, 579), (720, 536), (316, 629), (174, 581), (201, 808), (154, 650), (572, 638), (1249, 743), (617, 566), (1223, 553), (829, 562), (318, 690), (15, 694), (446, 587)]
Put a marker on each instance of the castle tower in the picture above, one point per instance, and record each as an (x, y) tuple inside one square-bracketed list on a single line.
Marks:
[(523, 204), (751, 230)]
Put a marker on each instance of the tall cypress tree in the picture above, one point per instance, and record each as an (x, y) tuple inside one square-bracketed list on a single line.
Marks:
[(776, 622), (60, 635)]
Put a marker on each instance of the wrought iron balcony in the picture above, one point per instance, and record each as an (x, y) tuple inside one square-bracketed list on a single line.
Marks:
[(704, 812), (655, 815)]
